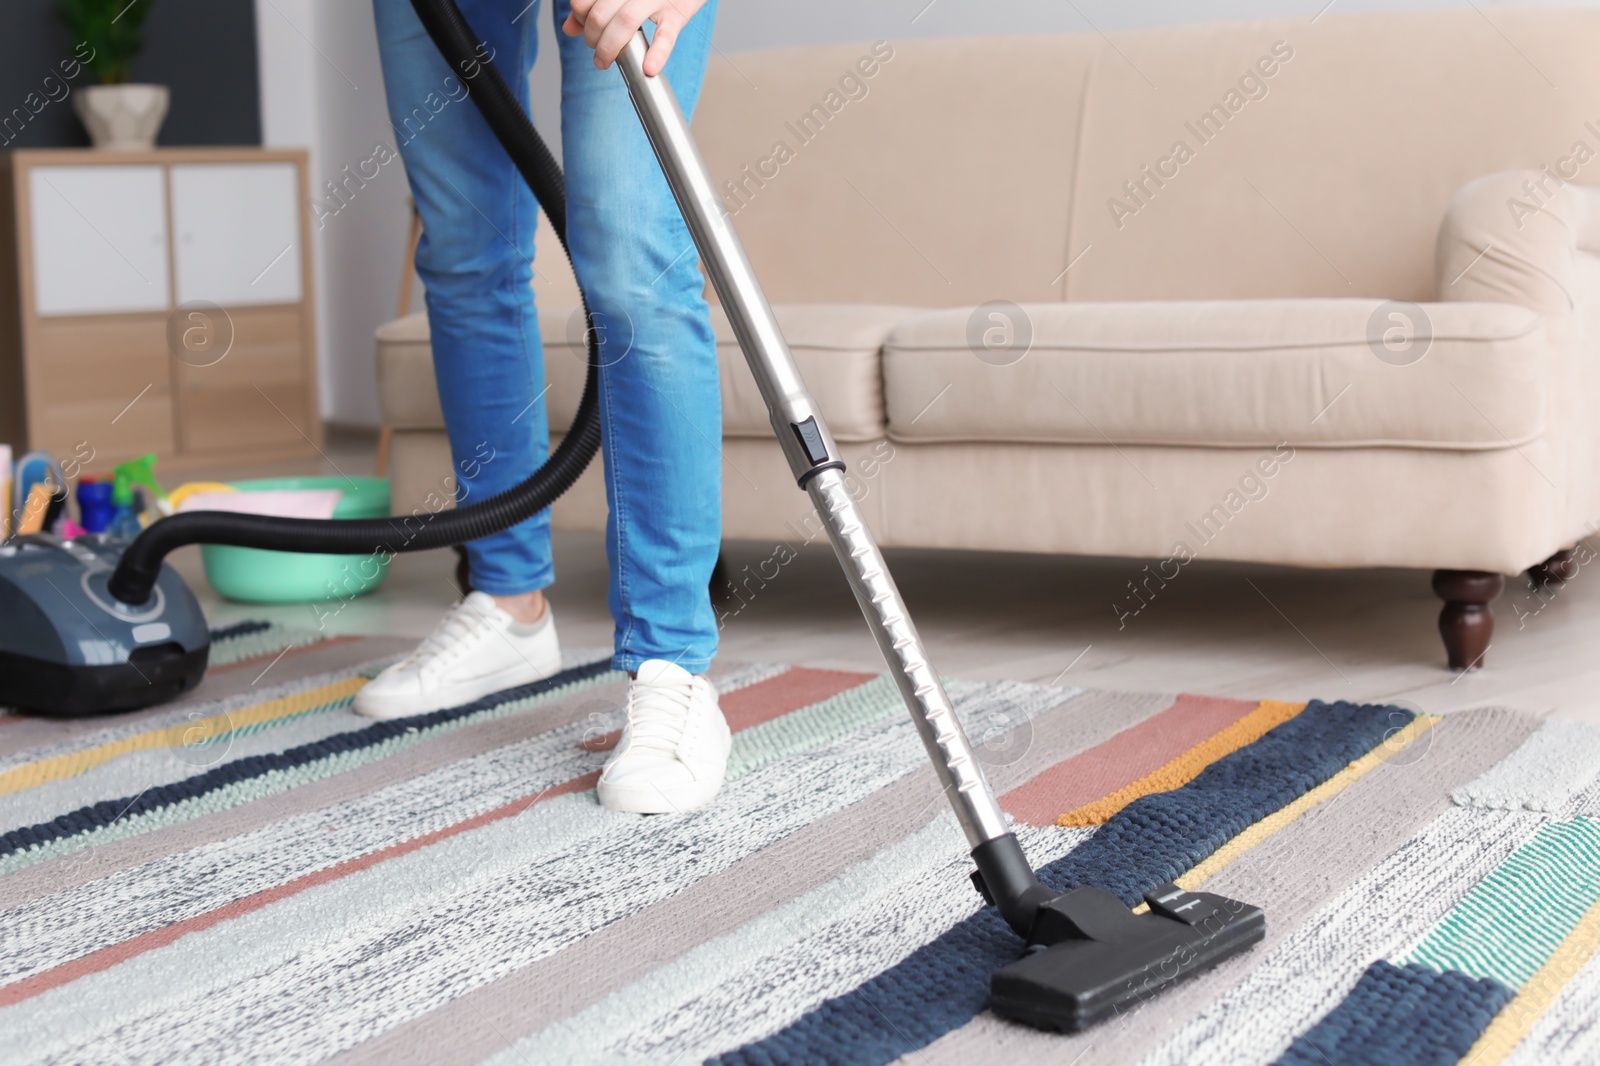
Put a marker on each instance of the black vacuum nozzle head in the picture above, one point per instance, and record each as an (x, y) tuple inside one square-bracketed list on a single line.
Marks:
[(1090, 957)]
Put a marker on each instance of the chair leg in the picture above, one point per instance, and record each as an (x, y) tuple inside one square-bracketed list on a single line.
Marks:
[(1466, 623), (1555, 571), (380, 465)]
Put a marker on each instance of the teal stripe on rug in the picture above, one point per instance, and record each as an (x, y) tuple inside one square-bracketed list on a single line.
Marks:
[(1430, 1006), (821, 723), (1509, 923), (254, 640), (1323, 955)]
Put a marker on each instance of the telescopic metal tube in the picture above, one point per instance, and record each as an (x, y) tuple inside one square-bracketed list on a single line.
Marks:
[(817, 466)]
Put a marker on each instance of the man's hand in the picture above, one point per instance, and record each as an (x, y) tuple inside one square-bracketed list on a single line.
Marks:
[(608, 25)]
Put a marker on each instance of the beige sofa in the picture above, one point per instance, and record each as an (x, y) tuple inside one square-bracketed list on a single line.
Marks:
[(1194, 235)]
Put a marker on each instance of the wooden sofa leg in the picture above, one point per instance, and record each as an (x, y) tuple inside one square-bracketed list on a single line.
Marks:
[(1555, 571), (1466, 623)]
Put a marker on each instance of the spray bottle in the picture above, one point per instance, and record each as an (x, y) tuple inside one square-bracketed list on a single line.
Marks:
[(141, 471), (125, 524)]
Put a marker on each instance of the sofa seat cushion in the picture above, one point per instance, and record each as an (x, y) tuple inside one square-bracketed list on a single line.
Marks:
[(836, 347), (1220, 373)]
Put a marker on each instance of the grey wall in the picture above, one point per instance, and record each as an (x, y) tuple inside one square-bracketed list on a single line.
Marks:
[(205, 50)]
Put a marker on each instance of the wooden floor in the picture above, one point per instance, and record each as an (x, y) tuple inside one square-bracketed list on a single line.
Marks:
[(1219, 628)]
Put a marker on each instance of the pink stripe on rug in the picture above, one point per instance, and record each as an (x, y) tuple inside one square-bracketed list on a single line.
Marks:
[(1123, 759), (798, 686), (765, 700)]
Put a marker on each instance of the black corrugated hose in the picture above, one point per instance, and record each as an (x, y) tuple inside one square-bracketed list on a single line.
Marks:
[(140, 565)]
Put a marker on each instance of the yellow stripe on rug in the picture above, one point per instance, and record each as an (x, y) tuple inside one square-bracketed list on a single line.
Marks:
[(1264, 830), (59, 767), (1535, 997), (1268, 715)]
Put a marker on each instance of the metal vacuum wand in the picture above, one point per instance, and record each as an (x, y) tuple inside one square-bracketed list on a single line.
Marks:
[(818, 468)]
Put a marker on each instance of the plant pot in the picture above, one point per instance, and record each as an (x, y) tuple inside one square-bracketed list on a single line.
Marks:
[(122, 117)]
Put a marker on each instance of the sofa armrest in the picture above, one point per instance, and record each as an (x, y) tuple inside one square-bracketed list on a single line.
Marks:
[(1513, 237), (1523, 237)]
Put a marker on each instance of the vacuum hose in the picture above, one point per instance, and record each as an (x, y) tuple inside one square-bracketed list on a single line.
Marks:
[(140, 565)]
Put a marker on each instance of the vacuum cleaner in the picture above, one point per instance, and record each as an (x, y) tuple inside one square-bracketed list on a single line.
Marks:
[(84, 630)]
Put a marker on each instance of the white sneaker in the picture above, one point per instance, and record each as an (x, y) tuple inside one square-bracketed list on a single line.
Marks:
[(674, 748), (476, 649)]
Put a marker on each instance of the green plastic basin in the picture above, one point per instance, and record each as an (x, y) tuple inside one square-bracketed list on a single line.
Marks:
[(254, 575)]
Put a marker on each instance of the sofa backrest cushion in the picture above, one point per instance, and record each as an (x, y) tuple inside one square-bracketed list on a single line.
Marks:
[(941, 177), (1320, 155)]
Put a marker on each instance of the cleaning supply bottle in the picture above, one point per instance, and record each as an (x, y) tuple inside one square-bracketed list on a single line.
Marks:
[(95, 509), (141, 471), (5, 491), (35, 509), (125, 518)]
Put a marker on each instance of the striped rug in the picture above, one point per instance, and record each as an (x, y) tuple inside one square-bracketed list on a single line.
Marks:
[(256, 874)]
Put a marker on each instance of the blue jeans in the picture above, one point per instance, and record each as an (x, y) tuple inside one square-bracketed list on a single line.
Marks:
[(660, 400)]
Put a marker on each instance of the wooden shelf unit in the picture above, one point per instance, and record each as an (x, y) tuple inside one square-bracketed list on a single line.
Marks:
[(158, 302)]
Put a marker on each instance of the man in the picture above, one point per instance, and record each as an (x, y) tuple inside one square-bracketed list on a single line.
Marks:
[(660, 404)]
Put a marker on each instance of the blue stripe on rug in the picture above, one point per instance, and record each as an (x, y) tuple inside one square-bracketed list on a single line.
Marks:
[(1410, 1014), (87, 819), (239, 629), (945, 984)]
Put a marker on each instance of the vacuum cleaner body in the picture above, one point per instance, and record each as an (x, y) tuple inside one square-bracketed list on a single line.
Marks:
[(68, 647)]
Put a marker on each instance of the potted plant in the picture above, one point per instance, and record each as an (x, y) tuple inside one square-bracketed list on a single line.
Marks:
[(109, 33)]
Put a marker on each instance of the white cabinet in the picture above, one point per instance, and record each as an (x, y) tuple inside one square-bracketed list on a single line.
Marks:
[(99, 238), (236, 230)]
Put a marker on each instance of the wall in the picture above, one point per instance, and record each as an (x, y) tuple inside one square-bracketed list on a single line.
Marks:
[(321, 88), (205, 50)]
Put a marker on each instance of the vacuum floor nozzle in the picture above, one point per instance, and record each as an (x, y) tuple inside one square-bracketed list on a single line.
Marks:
[(1090, 957)]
